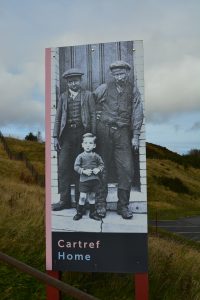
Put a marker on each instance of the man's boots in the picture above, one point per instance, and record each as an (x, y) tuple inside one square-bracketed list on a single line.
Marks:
[(93, 214), (79, 213), (64, 203), (122, 204)]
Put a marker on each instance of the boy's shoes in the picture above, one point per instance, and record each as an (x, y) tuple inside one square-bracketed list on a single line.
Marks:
[(78, 216), (101, 211), (94, 216), (93, 213), (79, 213)]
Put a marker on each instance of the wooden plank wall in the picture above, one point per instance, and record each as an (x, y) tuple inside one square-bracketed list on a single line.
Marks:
[(95, 64)]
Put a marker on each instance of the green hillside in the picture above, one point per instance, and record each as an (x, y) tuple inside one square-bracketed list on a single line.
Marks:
[(173, 183), (191, 159), (21, 228), (34, 151), (173, 190)]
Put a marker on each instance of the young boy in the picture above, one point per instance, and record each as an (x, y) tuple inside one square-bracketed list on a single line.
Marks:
[(88, 164)]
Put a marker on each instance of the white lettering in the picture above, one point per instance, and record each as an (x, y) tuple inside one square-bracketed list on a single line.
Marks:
[(69, 256), (61, 255), (61, 243)]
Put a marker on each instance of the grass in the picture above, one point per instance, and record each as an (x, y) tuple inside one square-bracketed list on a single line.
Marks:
[(21, 229), (34, 151), (173, 191), (14, 170), (174, 269), (174, 263), (22, 236)]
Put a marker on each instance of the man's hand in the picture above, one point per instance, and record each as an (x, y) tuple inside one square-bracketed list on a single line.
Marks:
[(87, 172), (56, 145), (135, 142), (95, 171)]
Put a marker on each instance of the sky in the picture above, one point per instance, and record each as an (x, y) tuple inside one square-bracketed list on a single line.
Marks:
[(169, 29)]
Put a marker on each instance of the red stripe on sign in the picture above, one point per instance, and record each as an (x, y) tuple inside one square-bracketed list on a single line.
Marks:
[(48, 157)]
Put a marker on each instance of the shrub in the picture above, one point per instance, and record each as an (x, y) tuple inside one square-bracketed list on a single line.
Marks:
[(31, 137)]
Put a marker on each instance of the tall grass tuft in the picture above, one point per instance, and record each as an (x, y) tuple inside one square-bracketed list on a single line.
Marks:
[(174, 270)]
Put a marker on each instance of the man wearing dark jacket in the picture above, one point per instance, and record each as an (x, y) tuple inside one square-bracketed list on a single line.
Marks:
[(75, 116), (120, 117)]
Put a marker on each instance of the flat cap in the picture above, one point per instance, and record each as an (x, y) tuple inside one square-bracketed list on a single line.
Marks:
[(120, 64), (72, 72)]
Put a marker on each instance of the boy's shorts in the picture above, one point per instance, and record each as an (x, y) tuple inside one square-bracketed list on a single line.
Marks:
[(89, 186)]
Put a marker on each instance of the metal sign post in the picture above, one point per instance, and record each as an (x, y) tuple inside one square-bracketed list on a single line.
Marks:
[(52, 292), (141, 286)]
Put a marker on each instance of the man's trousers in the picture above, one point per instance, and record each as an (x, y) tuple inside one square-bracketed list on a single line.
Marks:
[(114, 144), (70, 143)]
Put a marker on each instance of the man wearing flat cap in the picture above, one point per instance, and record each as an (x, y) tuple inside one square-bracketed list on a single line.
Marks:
[(119, 122), (75, 116)]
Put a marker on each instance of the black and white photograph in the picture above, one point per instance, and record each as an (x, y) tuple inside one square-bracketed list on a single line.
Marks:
[(98, 154)]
